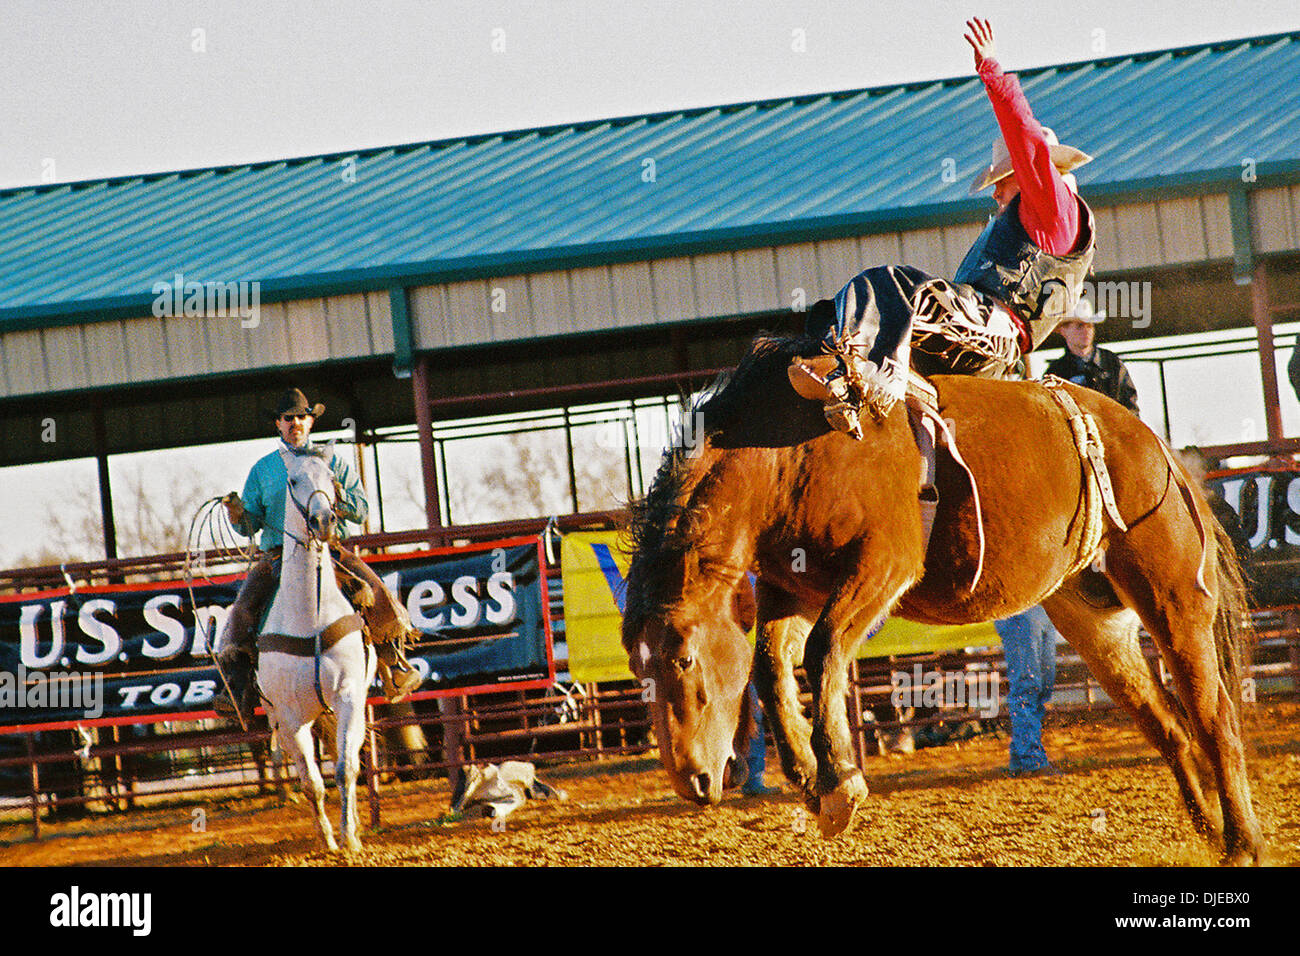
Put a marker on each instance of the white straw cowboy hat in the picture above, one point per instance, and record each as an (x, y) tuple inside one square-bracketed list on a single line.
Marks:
[(1064, 158)]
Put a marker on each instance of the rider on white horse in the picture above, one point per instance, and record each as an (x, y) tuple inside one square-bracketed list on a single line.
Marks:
[(262, 509)]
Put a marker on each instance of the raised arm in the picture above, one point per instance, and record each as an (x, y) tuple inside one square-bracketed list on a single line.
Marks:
[(1048, 209)]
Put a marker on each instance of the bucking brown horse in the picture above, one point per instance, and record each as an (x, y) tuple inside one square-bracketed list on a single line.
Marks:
[(833, 529)]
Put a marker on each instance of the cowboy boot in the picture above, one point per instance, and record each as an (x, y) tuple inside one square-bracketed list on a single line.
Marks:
[(387, 624), (825, 378), (396, 675), (240, 670), (841, 408)]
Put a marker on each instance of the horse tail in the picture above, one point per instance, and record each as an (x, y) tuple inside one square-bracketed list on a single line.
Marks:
[(1233, 635), (1234, 638)]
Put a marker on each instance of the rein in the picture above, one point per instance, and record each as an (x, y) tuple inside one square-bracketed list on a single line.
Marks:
[(340, 627), (211, 518), (316, 665)]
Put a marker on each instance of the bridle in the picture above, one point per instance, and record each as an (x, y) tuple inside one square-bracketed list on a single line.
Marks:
[(312, 545), (304, 509)]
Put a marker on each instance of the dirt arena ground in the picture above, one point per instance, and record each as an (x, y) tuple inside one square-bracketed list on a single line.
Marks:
[(1115, 805)]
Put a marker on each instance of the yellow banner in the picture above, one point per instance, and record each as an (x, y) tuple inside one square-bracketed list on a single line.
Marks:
[(593, 571), (908, 637)]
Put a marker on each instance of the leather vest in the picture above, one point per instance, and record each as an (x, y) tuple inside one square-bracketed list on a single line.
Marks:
[(1040, 288)]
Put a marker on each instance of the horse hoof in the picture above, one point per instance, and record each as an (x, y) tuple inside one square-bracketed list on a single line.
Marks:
[(838, 806), (1246, 856)]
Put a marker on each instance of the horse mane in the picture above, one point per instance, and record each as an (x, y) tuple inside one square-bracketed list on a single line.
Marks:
[(733, 391), (662, 532)]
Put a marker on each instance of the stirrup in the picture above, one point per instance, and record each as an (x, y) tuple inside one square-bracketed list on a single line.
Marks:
[(843, 417), (398, 684)]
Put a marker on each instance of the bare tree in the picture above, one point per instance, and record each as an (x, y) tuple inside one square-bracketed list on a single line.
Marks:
[(150, 517), (523, 475)]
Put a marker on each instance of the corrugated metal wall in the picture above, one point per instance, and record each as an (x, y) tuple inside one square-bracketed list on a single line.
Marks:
[(1275, 219), (137, 351), (520, 308)]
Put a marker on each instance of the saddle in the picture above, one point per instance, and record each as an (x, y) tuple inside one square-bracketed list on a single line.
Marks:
[(830, 380)]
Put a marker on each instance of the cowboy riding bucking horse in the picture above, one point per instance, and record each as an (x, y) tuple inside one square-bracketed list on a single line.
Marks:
[(1022, 276)]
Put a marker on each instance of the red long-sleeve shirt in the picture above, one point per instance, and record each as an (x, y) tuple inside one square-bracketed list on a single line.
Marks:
[(1048, 209)]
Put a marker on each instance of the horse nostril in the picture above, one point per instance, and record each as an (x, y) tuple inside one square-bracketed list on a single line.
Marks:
[(736, 772), (700, 784)]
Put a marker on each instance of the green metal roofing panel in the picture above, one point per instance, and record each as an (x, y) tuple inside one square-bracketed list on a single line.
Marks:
[(747, 174)]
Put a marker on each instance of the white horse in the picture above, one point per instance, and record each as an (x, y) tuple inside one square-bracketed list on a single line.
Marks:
[(312, 655)]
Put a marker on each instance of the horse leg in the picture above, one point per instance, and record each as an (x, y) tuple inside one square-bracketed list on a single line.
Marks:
[(301, 749), (1107, 640), (855, 605), (280, 773), (351, 734), (782, 631), (1181, 620), (261, 760)]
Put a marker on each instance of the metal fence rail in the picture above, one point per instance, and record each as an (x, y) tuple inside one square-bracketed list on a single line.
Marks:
[(200, 758)]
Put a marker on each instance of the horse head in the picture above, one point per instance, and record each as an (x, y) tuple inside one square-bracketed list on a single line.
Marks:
[(695, 669), (311, 489)]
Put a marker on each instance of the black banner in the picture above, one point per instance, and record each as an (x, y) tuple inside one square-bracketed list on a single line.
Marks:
[(483, 613), (142, 653)]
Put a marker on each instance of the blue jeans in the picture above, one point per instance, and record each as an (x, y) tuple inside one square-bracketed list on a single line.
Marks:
[(1029, 644), (757, 756)]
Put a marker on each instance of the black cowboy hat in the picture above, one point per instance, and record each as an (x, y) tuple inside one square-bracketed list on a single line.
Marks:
[(294, 402)]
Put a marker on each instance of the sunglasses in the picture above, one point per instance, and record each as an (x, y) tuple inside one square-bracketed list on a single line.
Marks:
[(294, 418)]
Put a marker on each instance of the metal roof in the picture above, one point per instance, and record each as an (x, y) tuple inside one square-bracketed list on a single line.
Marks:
[(638, 187)]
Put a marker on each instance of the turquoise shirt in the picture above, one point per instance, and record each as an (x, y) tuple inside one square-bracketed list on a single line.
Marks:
[(264, 498)]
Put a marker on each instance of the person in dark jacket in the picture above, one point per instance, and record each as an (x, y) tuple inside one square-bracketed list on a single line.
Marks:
[(1088, 364)]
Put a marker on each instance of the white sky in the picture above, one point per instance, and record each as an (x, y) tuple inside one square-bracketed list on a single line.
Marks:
[(127, 87), (92, 90)]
